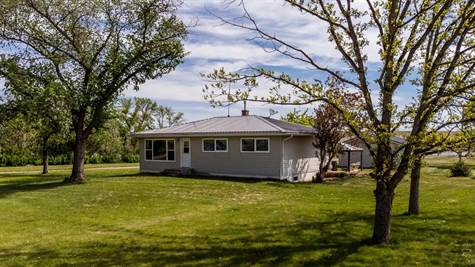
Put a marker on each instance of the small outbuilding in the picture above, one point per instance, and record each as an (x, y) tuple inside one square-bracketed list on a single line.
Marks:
[(235, 146), (350, 152), (362, 158)]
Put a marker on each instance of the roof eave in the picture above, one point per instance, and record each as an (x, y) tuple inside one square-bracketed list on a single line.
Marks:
[(155, 135)]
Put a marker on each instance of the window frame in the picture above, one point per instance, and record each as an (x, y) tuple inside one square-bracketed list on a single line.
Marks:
[(214, 142), (255, 144), (189, 146), (166, 149)]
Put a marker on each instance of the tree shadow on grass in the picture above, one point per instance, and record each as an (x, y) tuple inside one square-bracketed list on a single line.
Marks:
[(120, 175), (247, 180), (191, 177), (327, 242), (31, 183)]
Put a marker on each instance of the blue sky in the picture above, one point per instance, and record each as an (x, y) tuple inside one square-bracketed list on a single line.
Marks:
[(213, 45)]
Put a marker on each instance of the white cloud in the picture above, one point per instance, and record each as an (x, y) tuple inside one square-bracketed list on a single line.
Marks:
[(214, 45), (225, 52)]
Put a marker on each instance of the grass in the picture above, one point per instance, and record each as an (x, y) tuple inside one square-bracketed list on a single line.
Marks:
[(122, 218), (447, 162)]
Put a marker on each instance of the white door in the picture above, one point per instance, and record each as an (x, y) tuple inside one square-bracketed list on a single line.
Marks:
[(185, 158)]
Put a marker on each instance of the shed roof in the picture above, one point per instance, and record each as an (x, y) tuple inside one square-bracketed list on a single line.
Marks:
[(349, 148), (234, 125), (399, 140)]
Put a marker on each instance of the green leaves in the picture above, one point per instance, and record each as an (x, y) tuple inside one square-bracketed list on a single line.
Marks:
[(92, 51), (95, 49)]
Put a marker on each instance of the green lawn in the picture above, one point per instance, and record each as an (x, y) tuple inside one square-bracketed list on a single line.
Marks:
[(447, 162), (122, 218)]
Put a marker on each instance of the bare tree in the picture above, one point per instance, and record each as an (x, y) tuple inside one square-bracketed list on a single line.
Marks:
[(403, 27)]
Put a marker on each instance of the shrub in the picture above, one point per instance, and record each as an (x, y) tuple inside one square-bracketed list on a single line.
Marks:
[(460, 170), (61, 159), (130, 158), (111, 158), (14, 160), (93, 159)]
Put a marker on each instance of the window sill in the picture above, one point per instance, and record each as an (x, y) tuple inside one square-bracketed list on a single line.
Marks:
[(160, 160)]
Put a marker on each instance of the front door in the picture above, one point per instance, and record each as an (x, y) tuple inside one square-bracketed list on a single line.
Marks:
[(185, 153)]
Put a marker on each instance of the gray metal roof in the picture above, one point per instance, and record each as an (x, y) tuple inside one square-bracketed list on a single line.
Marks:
[(349, 148), (395, 139), (398, 139), (234, 125)]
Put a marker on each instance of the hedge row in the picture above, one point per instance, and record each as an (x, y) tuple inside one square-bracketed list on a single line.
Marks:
[(15, 160)]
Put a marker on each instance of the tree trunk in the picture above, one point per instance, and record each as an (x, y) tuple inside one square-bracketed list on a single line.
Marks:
[(77, 175), (320, 175), (382, 217), (321, 169), (319, 178), (45, 156), (45, 161), (414, 191)]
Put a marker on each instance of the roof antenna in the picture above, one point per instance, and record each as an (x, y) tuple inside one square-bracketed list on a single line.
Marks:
[(229, 98)]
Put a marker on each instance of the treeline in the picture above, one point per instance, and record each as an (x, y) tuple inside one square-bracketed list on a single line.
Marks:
[(27, 140)]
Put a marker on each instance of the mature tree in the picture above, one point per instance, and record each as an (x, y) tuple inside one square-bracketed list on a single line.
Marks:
[(106, 144), (453, 129), (299, 117), (97, 48), (38, 101), (403, 27), (18, 139), (135, 114), (463, 141), (140, 114), (166, 117)]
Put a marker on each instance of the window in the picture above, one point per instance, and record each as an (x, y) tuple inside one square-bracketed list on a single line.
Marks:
[(160, 150), (262, 145), (255, 145), (221, 144), (247, 145), (148, 149), (186, 147), (208, 145), (171, 150), (215, 145)]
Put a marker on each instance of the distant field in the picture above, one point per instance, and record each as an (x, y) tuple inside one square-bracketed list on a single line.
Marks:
[(122, 218), (446, 162)]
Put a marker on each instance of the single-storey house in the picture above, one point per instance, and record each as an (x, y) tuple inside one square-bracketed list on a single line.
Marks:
[(235, 146), (356, 157)]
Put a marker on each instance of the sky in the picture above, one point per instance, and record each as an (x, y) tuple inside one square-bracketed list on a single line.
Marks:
[(212, 45)]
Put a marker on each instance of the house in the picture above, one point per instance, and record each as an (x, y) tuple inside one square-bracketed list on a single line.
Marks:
[(235, 146), (362, 155)]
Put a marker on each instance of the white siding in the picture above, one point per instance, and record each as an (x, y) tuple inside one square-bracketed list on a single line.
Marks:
[(299, 159)]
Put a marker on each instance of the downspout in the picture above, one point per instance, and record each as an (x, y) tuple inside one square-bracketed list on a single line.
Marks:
[(283, 155)]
